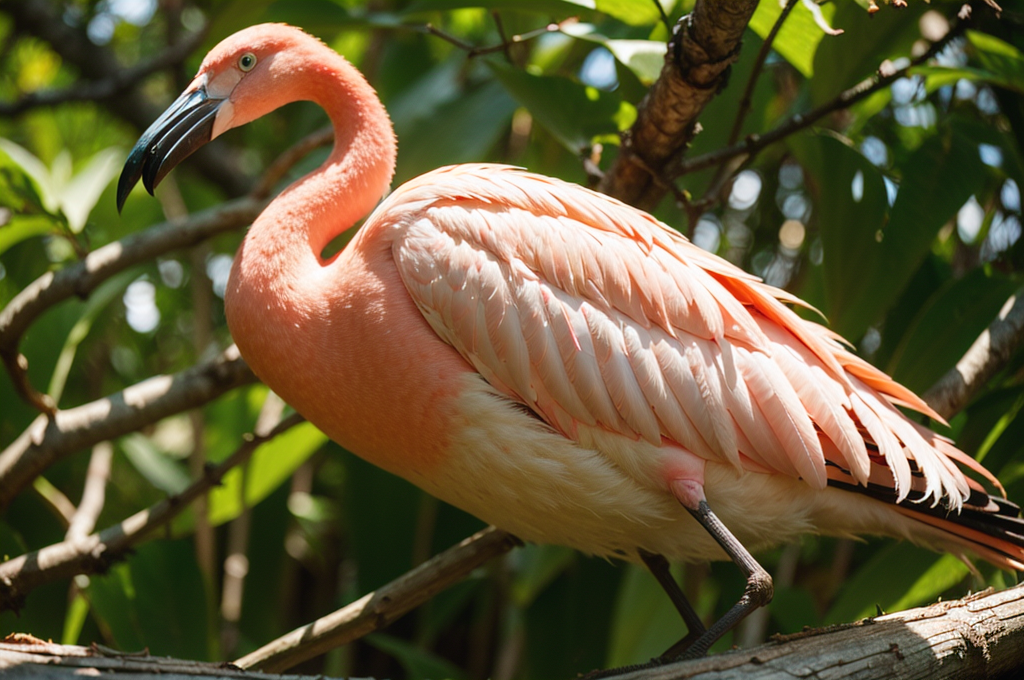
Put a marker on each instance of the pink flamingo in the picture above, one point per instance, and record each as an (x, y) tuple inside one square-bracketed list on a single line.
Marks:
[(553, 361)]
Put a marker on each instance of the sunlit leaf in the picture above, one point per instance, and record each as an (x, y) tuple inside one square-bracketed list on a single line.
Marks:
[(78, 197), (644, 58), (1000, 58), (946, 326), (270, 465), (573, 113), (799, 36), (645, 623), (159, 469)]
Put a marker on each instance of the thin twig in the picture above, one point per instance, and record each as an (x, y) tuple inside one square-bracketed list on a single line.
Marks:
[(50, 439), (664, 17), (109, 86), (867, 87), (384, 605), (95, 553), (762, 56), (986, 357), (473, 51), (93, 494)]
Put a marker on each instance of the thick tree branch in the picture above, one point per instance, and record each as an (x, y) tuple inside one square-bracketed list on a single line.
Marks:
[(51, 438), (696, 67), (95, 553), (980, 636), (43, 20), (378, 609), (986, 357)]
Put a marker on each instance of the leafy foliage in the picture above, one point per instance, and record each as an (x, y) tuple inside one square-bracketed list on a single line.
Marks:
[(899, 218)]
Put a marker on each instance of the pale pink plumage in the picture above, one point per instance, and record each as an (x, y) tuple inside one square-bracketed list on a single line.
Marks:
[(557, 362)]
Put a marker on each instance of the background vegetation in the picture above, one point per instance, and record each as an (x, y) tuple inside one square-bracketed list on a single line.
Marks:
[(899, 217)]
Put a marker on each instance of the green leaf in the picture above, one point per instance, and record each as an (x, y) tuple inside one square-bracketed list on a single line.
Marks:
[(155, 600), (536, 567), (97, 302), (460, 131), (844, 60), (946, 573), (271, 464), (798, 39), (878, 583), (79, 196), (849, 227), (1000, 58), (573, 113), (419, 664), (644, 58), (159, 469), (946, 326), (77, 612), (645, 623)]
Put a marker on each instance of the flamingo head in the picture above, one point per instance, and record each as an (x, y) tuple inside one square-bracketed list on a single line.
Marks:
[(245, 76)]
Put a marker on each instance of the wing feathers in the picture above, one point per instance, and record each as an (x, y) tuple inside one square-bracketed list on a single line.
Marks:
[(595, 315)]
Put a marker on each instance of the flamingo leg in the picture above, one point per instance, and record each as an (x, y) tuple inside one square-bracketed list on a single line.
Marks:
[(658, 566), (757, 593)]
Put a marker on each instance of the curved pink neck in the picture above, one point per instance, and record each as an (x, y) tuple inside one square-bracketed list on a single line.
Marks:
[(286, 240)]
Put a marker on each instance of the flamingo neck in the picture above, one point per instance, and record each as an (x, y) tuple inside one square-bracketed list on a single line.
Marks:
[(287, 239)]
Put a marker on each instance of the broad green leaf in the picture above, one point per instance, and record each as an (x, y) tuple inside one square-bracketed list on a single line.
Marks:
[(850, 208), (159, 469), (39, 192), (156, 599), (78, 197), (97, 302), (842, 61), (879, 583), (536, 567), (326, 16), (799, 36), (21, 228), (998, 57), (78, 610), (419, 663), (946, 573), (644, 58), (946, 326), (645, 623), (460, 131), (573, 113), (22, 204), (271, 464)]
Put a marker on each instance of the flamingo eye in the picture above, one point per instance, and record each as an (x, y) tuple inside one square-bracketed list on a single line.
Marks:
[(247, 61)]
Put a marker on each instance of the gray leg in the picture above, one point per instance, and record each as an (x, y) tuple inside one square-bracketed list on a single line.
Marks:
[(757, 593), (694, 626)]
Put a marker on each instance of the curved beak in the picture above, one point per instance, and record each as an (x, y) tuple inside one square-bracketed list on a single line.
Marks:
[(185, 126)]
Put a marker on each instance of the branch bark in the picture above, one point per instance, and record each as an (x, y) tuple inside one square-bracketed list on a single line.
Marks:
[(705, 44), (95, 553), (51, 438), (378, 609), (980, 636), (986, 357)]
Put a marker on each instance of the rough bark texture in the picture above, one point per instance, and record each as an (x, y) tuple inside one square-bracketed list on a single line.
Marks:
[(981, 636), (696, 66)]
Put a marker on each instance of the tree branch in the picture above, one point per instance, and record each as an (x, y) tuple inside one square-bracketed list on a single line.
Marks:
[(378, 609), (94, 494), (705, 44), (113, 84), (51, 438), (980, 636), (986, 357), (845, 99), (95, 553), (84, 276), (43, 20)]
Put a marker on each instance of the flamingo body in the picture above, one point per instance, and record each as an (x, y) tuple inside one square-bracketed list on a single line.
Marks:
[(551, 360)]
